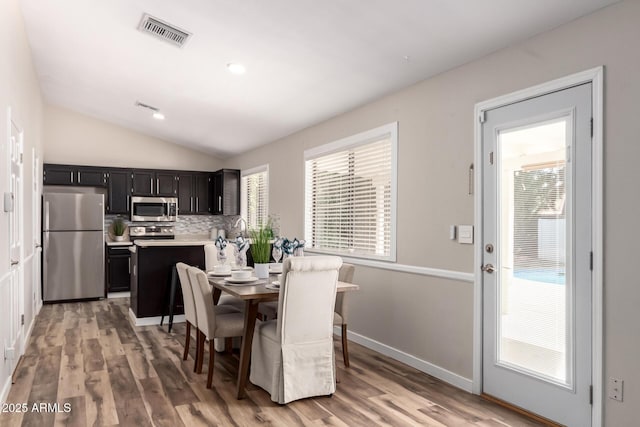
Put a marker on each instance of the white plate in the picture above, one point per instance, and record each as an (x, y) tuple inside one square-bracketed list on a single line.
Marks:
[(214, 274), (273, 286), (237, 281)]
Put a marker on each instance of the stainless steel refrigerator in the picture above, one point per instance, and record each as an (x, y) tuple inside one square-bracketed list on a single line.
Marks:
[(73, 240)]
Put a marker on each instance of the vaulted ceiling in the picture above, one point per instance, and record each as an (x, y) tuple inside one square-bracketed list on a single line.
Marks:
[(305, 60)]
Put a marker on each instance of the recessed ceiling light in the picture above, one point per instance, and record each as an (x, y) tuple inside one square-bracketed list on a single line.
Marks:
[(158, 115), (236, 68)]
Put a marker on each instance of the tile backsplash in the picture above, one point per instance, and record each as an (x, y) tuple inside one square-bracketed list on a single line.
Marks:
[(190, 224)]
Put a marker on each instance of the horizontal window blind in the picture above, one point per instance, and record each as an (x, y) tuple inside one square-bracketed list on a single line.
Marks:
[(255, 195), (348, 198)]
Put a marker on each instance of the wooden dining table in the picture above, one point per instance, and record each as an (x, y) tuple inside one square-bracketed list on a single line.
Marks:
[(253, 294)]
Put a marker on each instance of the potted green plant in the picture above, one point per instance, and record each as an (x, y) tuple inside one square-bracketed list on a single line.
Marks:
[(119, 227), (261, 250)]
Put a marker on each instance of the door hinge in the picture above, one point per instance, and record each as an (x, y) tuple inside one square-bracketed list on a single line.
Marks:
[(22, 319), (591, 261), (482, 117), (590, 395), (591, 127), (491, 157)]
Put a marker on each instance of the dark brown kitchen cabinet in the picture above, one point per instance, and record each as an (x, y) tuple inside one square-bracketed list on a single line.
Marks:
[(202, 190), (151, 277), (74, 175), (118, 191), (154, 183), (226, 192), (186, 190), (143, 183), (193, 193), (118, 269), (166, 184)]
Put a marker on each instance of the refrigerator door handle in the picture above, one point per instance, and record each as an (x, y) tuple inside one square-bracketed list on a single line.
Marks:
[(46, 216), (45, 260)]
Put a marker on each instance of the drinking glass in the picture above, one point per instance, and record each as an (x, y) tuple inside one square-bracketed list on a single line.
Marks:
[(277, 254)]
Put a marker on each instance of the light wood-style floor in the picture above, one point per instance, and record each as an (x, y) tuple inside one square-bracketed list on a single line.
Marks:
[(88, 355)]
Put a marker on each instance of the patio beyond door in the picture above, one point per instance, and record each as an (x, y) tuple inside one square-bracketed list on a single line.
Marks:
[(536, 255)]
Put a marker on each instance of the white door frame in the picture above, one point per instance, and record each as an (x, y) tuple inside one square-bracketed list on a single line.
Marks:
[(595, 76), (18, 343)]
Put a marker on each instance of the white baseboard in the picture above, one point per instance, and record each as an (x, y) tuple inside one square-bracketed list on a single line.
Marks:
[(5, 390), (150, 321), (421, 365), (27, 337)]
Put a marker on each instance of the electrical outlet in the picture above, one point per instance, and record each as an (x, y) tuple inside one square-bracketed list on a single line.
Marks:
[(615, 388)]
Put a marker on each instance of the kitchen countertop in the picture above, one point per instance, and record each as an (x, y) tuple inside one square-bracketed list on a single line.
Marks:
[(180, 240)]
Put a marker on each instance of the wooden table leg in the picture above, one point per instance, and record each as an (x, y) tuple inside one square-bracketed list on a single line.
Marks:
[(250, 313), (216, 295)]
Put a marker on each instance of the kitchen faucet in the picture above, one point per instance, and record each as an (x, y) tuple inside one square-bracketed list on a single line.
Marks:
[(243, 234)]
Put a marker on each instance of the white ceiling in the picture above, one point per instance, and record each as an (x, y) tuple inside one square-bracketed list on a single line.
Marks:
[(306, 60)]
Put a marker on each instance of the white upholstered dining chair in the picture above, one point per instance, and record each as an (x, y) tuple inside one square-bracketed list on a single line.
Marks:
[(340, 316), (292, 356), (213, 321), (210, 261), (189, 311)]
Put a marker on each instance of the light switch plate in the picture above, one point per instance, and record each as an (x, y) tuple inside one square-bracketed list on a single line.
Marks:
[(465, 234)]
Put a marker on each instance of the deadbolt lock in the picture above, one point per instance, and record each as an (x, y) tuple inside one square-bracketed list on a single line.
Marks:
[(489, 248)]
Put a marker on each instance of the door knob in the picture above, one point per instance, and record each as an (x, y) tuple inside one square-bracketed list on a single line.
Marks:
[(488, 268)]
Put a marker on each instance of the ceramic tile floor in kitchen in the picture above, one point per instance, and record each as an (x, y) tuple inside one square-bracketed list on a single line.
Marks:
[(87, 354)]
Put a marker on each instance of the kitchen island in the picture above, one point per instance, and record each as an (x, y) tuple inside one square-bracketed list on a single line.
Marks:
[(151, 264)]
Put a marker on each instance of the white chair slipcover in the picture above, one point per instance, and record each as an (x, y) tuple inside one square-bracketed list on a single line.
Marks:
[(292, 356), (341, 314), (213, 321), (189, 310), (211, 260)]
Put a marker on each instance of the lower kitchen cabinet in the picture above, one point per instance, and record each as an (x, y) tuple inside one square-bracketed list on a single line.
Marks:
[(151, 268), (118, 269)]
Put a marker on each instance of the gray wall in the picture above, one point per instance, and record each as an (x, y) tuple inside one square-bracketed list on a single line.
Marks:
[(431, 318)]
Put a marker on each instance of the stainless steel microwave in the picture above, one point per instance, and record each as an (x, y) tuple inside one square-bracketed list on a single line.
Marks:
[(154, 209)]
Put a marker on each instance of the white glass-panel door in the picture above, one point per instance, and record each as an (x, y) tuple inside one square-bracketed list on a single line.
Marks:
[(537, 282)]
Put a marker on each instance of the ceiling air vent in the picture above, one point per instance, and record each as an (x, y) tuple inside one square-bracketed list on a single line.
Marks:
[(163, 30)]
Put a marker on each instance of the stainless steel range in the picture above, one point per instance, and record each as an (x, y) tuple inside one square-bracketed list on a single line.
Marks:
[(151, 232)]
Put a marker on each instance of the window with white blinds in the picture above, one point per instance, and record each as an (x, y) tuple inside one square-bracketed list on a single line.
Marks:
[(254, 195), (350, 195)]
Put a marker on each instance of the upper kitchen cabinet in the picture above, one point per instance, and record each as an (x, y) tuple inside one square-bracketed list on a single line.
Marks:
[(154, 183), (143, 183), (226, 192), (119, 191), (186, 204), (203, 189), (166, 184), (193, 193), (74, 175)]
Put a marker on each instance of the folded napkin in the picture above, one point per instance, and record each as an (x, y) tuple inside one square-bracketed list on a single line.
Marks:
[(242, 246), (293, 247), (278, 243), (221, 243)]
